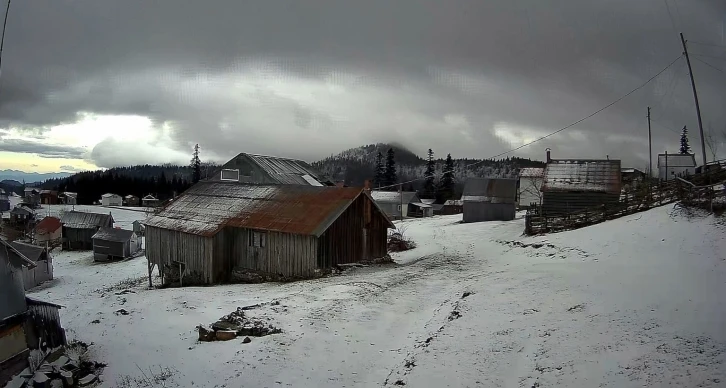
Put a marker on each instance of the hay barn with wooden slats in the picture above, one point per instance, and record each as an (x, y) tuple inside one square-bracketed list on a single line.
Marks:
[(283, 231), (79, 228), (573, 185)]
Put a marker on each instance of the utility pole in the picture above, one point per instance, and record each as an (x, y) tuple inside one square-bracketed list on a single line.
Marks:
[(650, 149), (400, 197), (695, 98)]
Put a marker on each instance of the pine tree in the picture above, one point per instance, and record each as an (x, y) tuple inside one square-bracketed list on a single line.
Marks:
[(685, 147), (390, 175), (446, 185), (196, 165), (379, 172), (429, 176)]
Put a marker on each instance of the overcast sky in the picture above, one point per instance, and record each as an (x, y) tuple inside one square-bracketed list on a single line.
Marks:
[(104, 83)]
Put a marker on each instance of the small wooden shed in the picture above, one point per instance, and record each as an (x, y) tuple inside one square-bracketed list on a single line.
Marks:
[(216, 230), (114, 243), (48, 197), (43, 270), (79, 228), (131, 200), (489, 199), (573, 185), (22, 215)]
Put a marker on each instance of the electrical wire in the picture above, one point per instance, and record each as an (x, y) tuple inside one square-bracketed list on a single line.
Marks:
[(663, 125), (707, 44), (710, 56), (670, 15), (2, 39), (708, 64), (555, 132)]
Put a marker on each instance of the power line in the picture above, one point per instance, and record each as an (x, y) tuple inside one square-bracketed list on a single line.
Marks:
[(557, 131), (708, 64), (710, 56), (675, 81), (707, 44), (664, 126), (2, 39), (670, 15)]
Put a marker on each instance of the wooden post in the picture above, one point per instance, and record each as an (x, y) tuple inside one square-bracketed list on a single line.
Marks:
[(151, 270), (400, 196), (181, 275)]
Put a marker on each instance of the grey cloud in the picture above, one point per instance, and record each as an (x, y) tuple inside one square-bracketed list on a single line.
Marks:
[(414, 64), (40, 149), (66, 168)]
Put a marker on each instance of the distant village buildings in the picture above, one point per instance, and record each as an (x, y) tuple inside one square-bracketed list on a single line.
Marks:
[(79, 228), (111, 200), (114, 243), (489, 199), (671, 166)]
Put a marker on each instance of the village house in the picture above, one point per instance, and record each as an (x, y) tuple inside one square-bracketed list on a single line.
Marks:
[(149, 201), (4, 202), (22, 216), (131, 200), (450, 207), (572, 185), (31, 197), (25, 323), (631, 178), (111, 200), (396, 204), (49, 197), (251, 168), (79, 228), (489, 199), (48, 231), (671, 166), (224, 231), (43, 269), (114, 243), (68, 198), (529, 193)]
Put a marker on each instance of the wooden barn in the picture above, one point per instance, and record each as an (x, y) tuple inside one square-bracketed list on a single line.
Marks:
[(48, 231), (22, 216), (489, 199), (450, 207), (217, 229), (572, 185), (25, 323), (251, 168), (79, 228), (68, 198), (396, 204), (48, 197), (31, 196), (43, 269), (110, 199), (114, 243), (131, 200)]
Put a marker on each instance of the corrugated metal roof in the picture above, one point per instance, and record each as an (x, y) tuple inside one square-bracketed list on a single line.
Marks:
[(208, 206), (113, 234), (109, 195), (284, 170), (494, 190), (454, 202), (48, 225), (392, 196), (22, 210), (32, 252), (82, 220), (532, 172), (583, 175), (677, 160), (23, 260)]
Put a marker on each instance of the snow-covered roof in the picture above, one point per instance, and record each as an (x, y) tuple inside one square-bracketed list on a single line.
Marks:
[(454, 202), (113, 234), (583, 175), (209, 206), (83, 220), (421, 205), (532, 172), (677, 160), (149, 198), (20, 209), (130, 196), (109, 195), (392, 196), (493, 190)]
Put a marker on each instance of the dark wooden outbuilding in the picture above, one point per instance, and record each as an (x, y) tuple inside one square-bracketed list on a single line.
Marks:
[(79, 228), (217, 229), (49, 197), (114, 243), (43, 269), (573, 185), (489, 199), (131, 200)]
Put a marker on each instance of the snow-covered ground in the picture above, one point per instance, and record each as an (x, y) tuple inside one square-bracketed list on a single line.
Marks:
[(633, 302)]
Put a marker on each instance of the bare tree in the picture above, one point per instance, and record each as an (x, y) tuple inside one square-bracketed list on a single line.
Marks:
[(714, 141), (532, 186)]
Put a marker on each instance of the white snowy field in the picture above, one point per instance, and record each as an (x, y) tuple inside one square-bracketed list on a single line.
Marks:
[(634, 302)]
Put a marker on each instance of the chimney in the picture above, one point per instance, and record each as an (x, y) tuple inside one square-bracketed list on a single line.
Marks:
[(548, 155), (367, 185), (340, 184)]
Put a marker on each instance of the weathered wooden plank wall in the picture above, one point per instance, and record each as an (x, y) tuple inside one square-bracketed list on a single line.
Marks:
[(284, 254), (41, 273), (43, 326), (164, 246)]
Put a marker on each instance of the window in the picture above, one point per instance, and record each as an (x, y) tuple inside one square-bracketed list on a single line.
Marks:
[(258, 239), (229, 175), (398, 208)]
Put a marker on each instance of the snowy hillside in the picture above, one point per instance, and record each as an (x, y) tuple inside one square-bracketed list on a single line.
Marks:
[(629, 303), (356, 165)]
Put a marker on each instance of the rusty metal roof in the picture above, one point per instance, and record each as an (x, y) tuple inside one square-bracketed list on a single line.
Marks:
[(494, 190), (48, 225), (82, 220), (583, 175), (209, 206)]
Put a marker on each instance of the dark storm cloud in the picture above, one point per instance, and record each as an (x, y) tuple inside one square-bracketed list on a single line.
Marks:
[(40, 149), (426, 73)]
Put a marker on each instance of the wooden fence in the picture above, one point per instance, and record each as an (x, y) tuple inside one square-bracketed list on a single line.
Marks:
[(709, 196)]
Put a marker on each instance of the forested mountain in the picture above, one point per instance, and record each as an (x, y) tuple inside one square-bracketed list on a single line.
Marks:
[(355, 165)]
